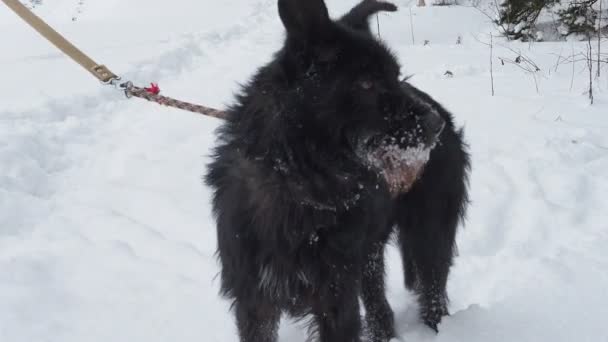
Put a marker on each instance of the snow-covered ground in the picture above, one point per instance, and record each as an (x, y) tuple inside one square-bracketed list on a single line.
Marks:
[(105, 227)]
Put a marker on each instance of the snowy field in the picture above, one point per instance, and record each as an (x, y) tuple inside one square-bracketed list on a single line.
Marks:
[(106, 233)]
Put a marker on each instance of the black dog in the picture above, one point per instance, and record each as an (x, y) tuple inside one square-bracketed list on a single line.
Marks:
[(316, 165)]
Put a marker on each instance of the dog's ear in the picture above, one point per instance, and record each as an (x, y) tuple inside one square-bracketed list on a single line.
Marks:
[(304, 20), (358, 17)]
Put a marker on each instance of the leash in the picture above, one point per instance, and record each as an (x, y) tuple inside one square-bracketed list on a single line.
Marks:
[(101, 72)]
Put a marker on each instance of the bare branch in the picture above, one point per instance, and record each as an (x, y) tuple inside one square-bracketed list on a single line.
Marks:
[(599, 40), (492, 61)]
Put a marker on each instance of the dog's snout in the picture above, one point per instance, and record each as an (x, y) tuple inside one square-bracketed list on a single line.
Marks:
[(434, 123)]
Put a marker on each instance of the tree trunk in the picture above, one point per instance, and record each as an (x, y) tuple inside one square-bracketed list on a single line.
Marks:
[(590, 66)]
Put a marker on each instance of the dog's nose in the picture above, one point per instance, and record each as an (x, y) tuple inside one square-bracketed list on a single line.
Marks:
[(434, 123)]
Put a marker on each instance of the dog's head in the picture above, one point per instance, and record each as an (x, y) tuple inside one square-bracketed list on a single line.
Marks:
[(350, 87)]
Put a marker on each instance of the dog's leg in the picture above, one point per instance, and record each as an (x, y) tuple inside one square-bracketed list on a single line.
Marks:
[(337, 317), (427, 248), (256, 321), (378, 313)]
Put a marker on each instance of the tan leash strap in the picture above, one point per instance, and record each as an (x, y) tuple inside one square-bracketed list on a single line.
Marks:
[(99, 71)]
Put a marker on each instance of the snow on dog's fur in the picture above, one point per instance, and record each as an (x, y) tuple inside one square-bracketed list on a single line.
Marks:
[(325, 151)]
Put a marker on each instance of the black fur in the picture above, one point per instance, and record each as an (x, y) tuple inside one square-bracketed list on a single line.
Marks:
[(302, 217)]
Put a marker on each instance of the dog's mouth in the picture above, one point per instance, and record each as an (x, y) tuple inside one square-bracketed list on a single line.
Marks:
[(399, 166)]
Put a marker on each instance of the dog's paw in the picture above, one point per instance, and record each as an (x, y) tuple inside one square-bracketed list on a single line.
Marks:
[(433, 313), (433, 307), (432, 317)]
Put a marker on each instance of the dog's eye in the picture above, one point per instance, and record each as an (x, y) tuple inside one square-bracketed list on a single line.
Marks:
[(366, 85)]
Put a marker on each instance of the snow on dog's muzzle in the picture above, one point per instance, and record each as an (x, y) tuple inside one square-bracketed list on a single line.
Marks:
[(400, 149), (400, 167)]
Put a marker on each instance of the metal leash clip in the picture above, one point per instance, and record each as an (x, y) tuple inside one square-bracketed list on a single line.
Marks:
[(118, 84)]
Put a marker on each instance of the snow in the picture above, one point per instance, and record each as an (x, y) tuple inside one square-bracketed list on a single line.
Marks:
[(106, 232)]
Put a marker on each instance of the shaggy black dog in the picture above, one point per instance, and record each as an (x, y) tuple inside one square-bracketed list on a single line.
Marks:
[(325, 153)]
